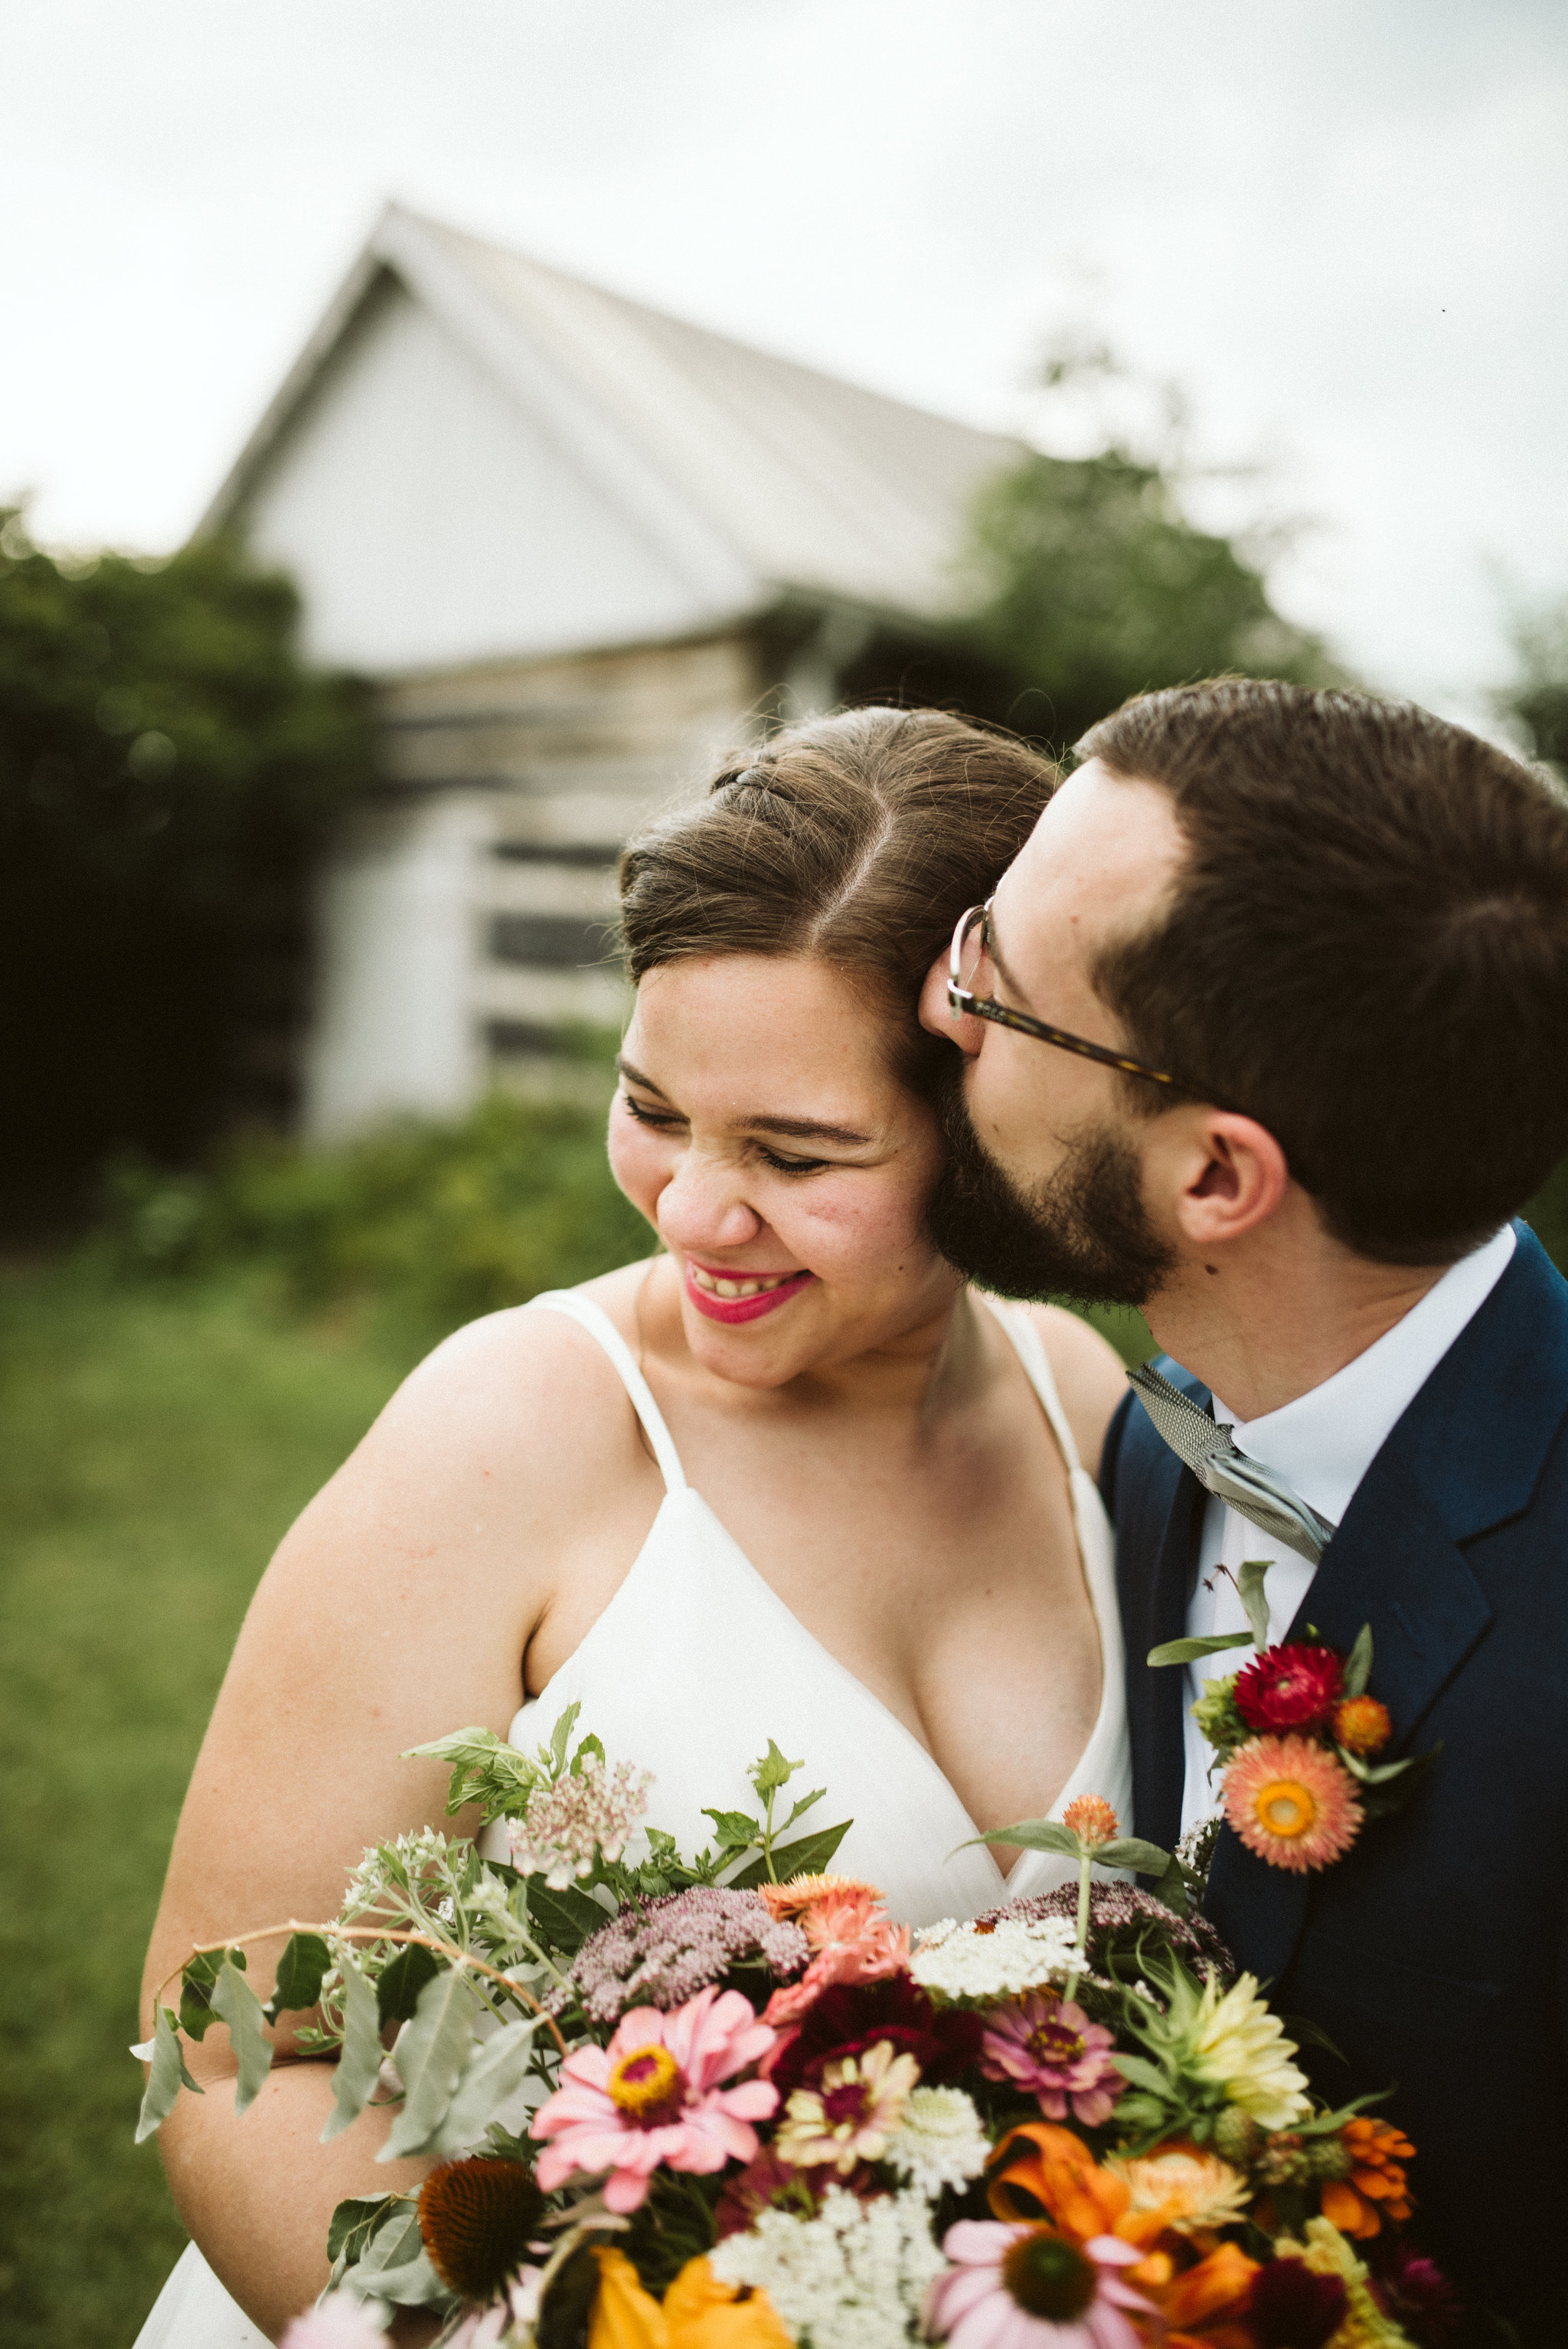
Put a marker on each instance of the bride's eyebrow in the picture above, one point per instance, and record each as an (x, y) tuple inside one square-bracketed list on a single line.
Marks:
[(798, 1129), (802, 1129)]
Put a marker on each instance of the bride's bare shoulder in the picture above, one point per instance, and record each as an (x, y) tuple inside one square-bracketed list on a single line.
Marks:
[(1090, 1376), (521, 1394)]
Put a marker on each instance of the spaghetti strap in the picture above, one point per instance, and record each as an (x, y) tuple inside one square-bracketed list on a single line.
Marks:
[(603, 1332), (1030, 1350)]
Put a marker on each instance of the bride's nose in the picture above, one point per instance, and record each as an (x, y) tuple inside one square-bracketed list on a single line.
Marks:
[(703, 1206)]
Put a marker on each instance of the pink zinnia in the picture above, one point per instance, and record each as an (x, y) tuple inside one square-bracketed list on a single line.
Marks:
[(1048, 2047), (1029, 2288), (853, 1940), (652, 2097)]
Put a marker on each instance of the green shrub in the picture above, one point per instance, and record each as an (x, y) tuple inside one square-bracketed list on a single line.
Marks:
[(444, 1221)]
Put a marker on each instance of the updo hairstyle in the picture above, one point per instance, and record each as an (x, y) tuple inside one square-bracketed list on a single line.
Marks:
[(860, 838)]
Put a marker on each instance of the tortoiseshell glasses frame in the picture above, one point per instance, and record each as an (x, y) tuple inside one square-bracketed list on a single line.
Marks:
[(962, 997)]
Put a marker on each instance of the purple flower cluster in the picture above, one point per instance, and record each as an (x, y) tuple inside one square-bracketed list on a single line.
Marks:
[(661, 1952), (1120, 1917)]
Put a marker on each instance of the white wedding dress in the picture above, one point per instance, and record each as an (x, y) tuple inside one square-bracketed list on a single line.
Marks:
[(695, 1663)]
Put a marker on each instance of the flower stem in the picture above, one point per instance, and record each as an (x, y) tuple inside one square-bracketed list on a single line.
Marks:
[(1080, 1954)]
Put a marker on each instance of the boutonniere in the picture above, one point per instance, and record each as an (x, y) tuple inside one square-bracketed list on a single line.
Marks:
[(1296, 1737)]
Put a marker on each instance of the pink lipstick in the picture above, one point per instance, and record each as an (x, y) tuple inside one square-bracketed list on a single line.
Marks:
[(741, 1309)]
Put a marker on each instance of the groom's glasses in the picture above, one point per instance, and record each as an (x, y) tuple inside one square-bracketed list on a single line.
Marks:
[(971, 946)]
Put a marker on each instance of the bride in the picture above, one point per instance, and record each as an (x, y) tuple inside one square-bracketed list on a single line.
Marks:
[(786, 1479)]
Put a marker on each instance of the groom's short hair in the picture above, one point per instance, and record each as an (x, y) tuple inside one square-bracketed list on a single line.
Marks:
[(1366, 948)]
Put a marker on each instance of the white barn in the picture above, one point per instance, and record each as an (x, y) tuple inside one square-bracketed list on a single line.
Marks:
[(580, 548)]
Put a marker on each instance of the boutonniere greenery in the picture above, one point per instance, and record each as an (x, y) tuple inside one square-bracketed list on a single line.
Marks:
[(1297, 1737)]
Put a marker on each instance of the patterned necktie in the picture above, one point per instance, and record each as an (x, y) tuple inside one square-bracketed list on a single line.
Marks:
[(1245, 1486)]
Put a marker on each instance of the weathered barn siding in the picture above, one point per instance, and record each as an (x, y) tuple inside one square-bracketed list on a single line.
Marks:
[(468, 912)]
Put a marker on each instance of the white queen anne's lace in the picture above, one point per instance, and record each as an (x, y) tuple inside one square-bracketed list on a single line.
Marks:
[(941, 2143), (596, 1806), (854, 2277), (961, 1963)]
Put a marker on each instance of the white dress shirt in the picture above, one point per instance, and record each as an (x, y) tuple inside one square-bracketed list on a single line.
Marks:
[(1322, 1443)]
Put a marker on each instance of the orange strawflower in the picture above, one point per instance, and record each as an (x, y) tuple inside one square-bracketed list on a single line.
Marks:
[(813, 1891), (1291, 1801), (1362, 1725), (1376, 2187), (1092, 1819)]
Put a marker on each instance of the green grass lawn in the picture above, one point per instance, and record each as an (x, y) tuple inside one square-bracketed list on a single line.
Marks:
[(156, 1445), (157, 1441)]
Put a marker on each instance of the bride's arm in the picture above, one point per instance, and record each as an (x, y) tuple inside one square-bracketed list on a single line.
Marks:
[(398, 1608)]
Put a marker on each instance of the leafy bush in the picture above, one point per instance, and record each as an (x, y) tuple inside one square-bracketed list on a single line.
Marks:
[(168, 767), (444, 1221)]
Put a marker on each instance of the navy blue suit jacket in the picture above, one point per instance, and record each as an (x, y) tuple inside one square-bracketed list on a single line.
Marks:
[(1434, 1954)]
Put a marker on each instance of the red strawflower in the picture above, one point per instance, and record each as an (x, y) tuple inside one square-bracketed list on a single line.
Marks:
[(849, 2017), (1292, 2308), (1292, 1687)]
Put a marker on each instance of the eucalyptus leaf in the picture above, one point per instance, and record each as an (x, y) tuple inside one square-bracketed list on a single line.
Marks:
[(355, 2223), (1032, 1835), (240, 2009), (297, 1986), (167, 2077), (393, 2245), (1131, 1851), (196, 1992), (809, 1857), (359, 2066), (1358, 1663), (1250, 1582), (430, 2057), (495, 2070), (1190, 1651), (415, 2284), (399, 1986)]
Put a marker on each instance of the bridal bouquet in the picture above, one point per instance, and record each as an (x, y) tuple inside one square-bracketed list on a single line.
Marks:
[(727, 2103)]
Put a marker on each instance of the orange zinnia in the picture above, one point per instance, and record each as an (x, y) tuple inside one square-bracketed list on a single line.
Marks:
[(1376, 2187)]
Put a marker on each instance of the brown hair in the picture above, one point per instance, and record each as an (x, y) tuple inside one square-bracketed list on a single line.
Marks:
[(860, 838), (1366, 951)]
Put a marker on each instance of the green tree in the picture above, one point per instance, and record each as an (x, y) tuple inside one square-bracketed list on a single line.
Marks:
[(1537, 700), (167, 765), (1093, 584)]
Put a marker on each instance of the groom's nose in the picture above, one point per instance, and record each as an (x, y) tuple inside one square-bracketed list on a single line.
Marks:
[(938, 1017)]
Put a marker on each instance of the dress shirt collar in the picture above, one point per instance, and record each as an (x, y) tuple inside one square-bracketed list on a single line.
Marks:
[(1325, 1440)]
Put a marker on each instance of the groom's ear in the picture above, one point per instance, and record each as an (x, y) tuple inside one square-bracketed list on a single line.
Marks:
[(1223, 1175)]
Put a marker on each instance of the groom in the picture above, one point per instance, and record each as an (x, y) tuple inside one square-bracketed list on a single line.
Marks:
[(1266, 1031)]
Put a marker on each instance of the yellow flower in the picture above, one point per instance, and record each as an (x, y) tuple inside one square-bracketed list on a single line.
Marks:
[(1239, 2045), (624, 2315), (1191, 2188), (703, 2314), (1326, 2253)]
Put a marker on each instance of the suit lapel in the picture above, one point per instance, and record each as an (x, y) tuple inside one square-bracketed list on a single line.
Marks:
[(1159, 1512), (1465, 1456)]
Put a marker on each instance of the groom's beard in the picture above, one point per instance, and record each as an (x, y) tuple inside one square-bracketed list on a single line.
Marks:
[(1084, 1234)]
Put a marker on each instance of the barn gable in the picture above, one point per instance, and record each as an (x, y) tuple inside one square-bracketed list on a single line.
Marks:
[(581, 547)]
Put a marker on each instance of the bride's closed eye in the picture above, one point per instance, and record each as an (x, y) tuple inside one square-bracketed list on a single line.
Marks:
[(663, 1120)]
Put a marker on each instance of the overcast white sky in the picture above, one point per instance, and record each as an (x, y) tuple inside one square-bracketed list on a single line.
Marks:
[(1341, 224)]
